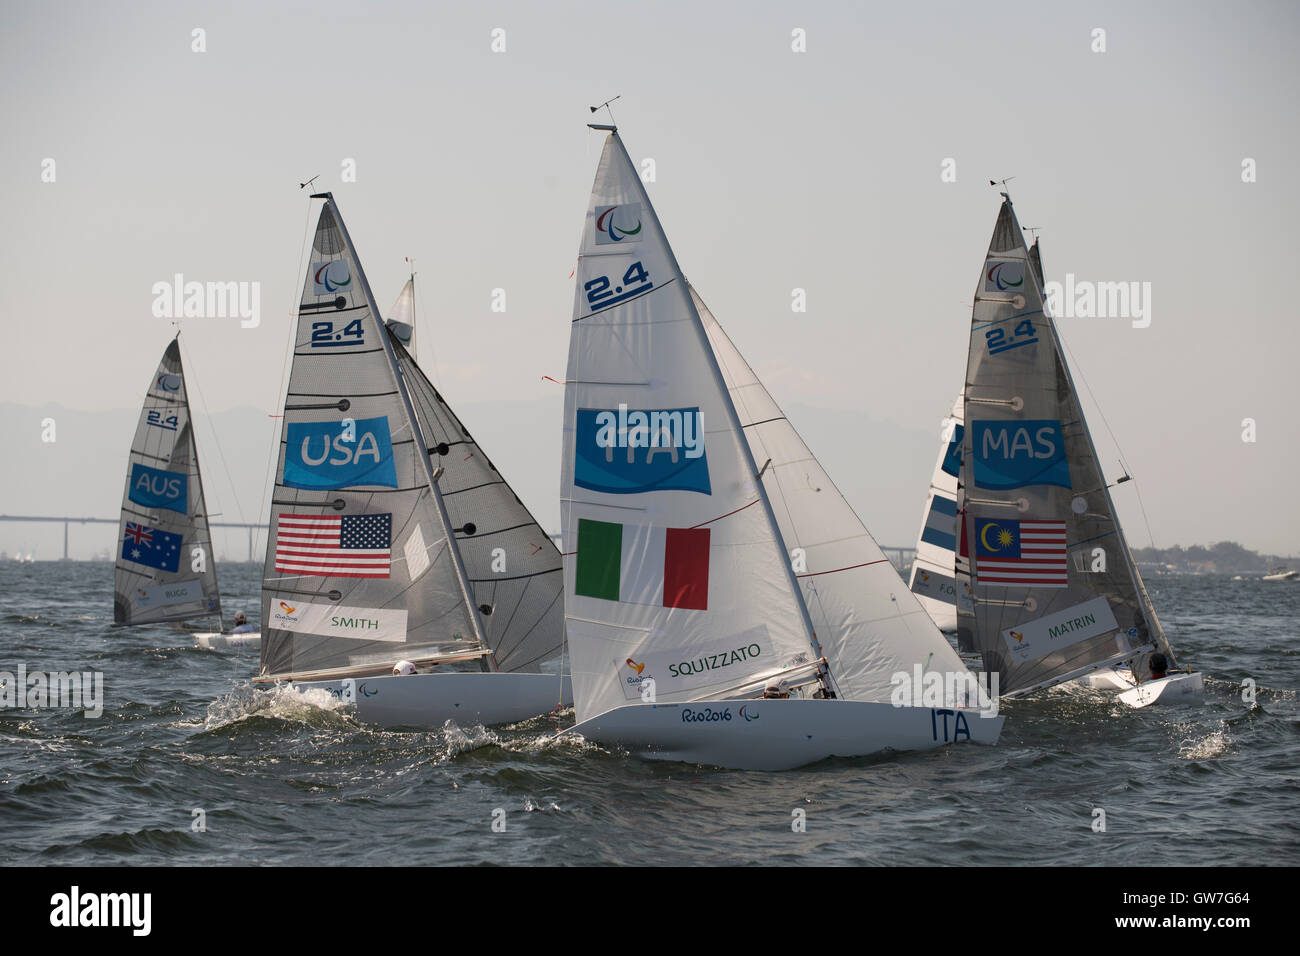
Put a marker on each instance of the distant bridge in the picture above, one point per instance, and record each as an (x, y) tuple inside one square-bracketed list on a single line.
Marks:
[(70, 520), (901, 557)]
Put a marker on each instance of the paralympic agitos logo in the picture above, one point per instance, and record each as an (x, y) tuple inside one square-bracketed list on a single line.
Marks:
[(618, 223)]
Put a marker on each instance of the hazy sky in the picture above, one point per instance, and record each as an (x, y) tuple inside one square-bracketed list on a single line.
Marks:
[(775, 170)]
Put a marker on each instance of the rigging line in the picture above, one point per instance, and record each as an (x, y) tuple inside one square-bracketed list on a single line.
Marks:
[(291, 333), (1123, 461), (216, 441)]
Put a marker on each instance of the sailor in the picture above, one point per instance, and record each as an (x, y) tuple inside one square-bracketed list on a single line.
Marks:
[(241, 625), (776, 689), (403, 669), (1159, 665)]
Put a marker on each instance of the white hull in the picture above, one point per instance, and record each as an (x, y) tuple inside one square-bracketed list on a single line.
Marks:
[(430, 700), (1176, 688), (216, 641), (1109, 678), (1283, 576), (780, 734)]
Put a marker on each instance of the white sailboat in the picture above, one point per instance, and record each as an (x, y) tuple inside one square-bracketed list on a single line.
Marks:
[(1056, 593), (934, 579), (402, 574), (717, 612), (165, 568)]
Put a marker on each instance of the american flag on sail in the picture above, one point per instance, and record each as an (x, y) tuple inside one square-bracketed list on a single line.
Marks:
[(1020, 553), (344, 546)]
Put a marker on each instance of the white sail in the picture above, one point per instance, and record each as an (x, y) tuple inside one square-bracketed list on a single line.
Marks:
[(869, 625), (361, 568), (166, 570), (1055, 589), (512, 565), (401, 317), (673, 567), (933, 579)]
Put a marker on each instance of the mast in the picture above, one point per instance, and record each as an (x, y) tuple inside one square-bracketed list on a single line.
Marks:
[(734, 420), (453, 549)]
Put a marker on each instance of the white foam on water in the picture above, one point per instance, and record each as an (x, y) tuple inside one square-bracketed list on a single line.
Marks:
[(280, 701)]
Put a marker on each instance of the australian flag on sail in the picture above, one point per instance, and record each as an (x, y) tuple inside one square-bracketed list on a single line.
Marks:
[(151, 547)]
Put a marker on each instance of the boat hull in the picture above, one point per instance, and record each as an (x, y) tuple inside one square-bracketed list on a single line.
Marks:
[(430, 700), (1176, 688), (217, 641), (1108, 678), (781, 734)]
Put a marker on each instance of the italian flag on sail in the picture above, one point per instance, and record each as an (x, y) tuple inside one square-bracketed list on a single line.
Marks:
[(639, 564)]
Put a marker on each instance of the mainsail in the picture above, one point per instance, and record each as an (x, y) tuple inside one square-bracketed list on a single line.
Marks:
[(362, 564), (165, 567), (401, 318), (513, 566), (869, 626), (1056, 593), (934, 577), (673, 565)]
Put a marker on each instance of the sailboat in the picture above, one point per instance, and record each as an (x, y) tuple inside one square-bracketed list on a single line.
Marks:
[(693, 577), (933, 579), (380, 587), (165, 568), (1056, 592)]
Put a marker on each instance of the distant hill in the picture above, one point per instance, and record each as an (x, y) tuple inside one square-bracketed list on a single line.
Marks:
[(1225, 557)]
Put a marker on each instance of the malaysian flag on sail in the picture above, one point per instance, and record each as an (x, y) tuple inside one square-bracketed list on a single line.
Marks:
[(1020, 553), (344, 546)]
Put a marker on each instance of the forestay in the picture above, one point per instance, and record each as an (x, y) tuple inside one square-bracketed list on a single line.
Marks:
[(673, 567), (1055, 591), (934, 577), (869, 625), (165, 569), (359, 567), (512, 565)]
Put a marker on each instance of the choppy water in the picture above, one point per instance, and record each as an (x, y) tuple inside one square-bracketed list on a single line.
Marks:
[(283, 781)]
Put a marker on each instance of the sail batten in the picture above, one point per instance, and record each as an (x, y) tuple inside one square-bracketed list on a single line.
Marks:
[(165, 569)]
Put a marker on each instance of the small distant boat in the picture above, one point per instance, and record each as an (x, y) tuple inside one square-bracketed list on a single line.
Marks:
[(1282, 574), (166, 570), (1057, 594)]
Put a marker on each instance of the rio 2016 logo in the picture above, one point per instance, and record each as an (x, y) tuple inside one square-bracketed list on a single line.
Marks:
[(618, 223), (706, 716)]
